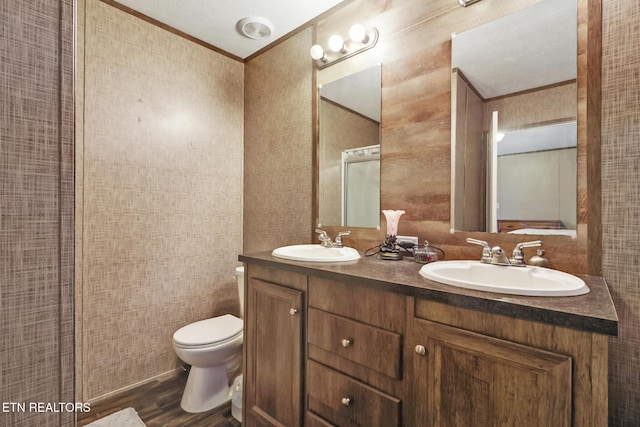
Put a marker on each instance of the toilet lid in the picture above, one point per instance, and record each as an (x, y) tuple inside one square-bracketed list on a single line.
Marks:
[(209, 331)]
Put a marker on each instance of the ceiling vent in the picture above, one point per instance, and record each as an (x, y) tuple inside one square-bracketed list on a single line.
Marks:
[(255, 27)]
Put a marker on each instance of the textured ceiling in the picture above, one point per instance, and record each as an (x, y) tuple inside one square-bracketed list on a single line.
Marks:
[(214, 21)]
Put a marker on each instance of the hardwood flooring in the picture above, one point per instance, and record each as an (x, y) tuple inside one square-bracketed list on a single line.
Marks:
[(158, 405)]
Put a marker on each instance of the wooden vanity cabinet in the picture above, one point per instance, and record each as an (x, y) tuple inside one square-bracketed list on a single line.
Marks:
[(465, 367), (273, 351), (322, 353)]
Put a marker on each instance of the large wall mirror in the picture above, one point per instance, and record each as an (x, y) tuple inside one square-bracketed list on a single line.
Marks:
[(349, 150), (514, 109)]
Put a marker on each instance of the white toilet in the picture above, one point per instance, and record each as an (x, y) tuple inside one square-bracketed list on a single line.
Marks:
[(213, 348)]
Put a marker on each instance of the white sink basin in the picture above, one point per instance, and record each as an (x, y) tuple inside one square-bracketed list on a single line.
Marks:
[(535, 281), (316, 253)]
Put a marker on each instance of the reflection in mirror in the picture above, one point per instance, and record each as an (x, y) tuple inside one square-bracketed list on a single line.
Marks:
[(349, 150), (514, 108), (544, 156)]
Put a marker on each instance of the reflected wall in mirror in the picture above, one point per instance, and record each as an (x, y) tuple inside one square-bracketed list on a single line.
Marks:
[(349, 150), (514, 109)]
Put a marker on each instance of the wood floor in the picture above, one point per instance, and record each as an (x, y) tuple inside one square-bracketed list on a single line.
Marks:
[(158, 405)]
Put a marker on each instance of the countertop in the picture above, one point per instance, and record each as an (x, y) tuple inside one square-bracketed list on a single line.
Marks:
[(593, 312)]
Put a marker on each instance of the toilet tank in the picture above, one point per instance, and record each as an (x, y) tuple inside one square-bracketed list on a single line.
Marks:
[(240, 282)]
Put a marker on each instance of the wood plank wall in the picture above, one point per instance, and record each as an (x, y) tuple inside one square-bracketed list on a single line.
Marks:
[(415, 52)]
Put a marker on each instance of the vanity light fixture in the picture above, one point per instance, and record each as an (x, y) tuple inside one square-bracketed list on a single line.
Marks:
[(360, 40), (336, 44), (317, 53), (465, 3), (358, 34)]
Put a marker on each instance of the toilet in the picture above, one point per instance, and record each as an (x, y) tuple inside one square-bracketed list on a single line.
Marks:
[(213, 348)]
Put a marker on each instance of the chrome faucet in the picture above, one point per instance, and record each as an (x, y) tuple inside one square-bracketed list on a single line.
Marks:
[(486, 249), (496, 256), (326, 242), (517, 256), (338, 242)]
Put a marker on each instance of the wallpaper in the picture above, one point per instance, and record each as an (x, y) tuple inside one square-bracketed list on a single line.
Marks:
[(36, 212), (161, 192)]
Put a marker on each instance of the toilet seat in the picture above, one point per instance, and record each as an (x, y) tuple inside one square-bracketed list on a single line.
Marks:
[(209, 332)]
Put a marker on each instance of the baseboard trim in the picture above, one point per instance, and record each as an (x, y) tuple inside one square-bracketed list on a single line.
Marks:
[(159, 377)]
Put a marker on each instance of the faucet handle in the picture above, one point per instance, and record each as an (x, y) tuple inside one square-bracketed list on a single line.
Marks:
[(323, 237), (517, 256), (338, 241), (486, 249)]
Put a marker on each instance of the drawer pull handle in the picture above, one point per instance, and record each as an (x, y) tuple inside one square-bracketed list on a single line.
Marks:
[(346, 342), (293, 311), (346, 401), (421, 350)]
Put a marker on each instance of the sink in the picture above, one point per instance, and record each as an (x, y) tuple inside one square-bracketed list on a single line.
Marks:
[(534, 281), (316, 253)]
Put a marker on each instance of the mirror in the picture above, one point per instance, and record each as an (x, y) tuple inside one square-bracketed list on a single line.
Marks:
[(514, 109), (349, 150)]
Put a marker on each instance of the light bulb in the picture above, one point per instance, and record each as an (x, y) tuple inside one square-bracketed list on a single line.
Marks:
[(336, 44), (358, 34), (317, 52)]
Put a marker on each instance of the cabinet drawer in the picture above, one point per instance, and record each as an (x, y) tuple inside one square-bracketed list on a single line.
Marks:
[(274, 275), (368, 305), (346, 402), (366, 345), (315, 421)]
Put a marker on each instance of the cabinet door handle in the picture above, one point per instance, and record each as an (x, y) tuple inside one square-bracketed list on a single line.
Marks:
[(293, 311), (346, 342), (421, 350), (346, 401)]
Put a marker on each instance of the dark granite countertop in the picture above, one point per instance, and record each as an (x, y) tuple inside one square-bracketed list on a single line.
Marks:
[(592, 312)]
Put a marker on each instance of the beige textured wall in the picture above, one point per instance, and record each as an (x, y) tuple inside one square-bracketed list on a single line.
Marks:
[(162, 195), (36, 210), (278, 146), (621, 201)]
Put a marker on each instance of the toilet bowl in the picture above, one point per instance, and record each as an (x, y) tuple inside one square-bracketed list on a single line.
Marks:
[(213, 348)]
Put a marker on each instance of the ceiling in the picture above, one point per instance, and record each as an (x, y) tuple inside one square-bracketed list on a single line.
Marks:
[(214, 21), (359, 92), (531, 48), (541, 47)]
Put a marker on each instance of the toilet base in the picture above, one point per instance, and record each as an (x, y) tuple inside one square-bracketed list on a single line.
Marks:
[(206, 389)]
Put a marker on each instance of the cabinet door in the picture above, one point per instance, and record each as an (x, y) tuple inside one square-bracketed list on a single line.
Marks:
[(273, 363), (461, 378)]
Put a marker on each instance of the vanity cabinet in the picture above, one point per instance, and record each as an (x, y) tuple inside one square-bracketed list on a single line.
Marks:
[(336, 346), (273, 350)]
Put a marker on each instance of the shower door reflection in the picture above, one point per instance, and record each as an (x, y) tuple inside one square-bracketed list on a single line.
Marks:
[(361, 187)]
